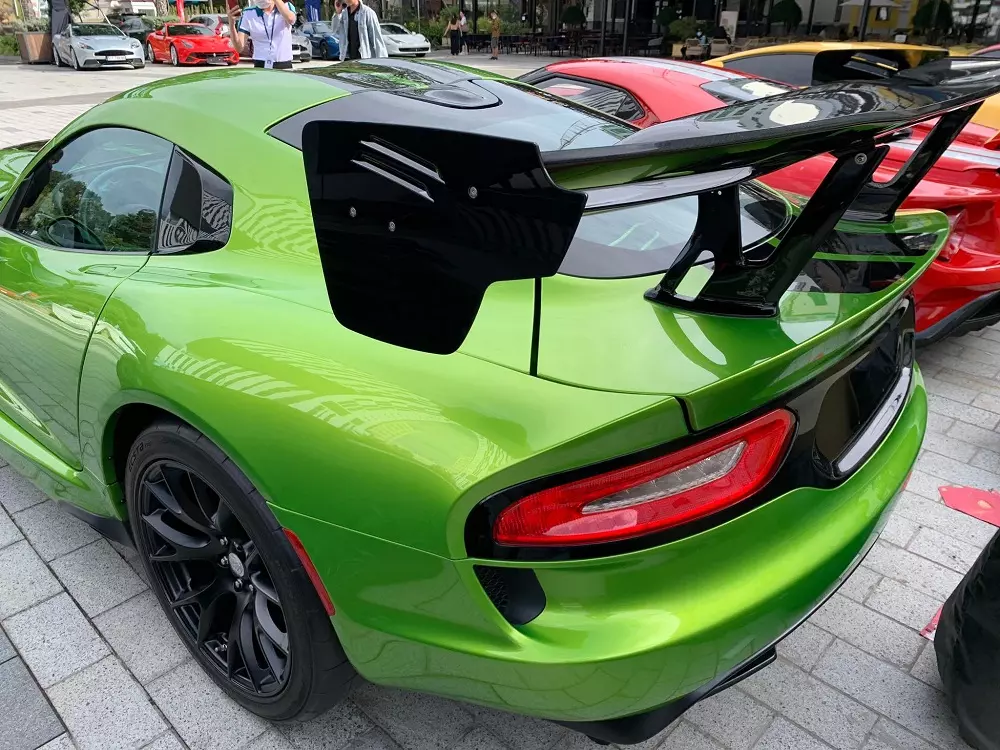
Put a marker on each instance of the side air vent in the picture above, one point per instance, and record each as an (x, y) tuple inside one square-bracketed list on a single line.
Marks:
[(515, 592)]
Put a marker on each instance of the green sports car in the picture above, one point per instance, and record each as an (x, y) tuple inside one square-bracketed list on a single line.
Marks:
[(400, 370)]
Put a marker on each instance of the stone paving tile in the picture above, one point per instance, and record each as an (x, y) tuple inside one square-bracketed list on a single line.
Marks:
[(903, 604), (869, 630), (480, 739), (918, 572), (956, 472), (949, 446), (373, 740), (16, 492), (962, 412), (6, 648), (889, 735), (9, 533), (941, 518), (899, 530), (332, 729), (518, 731), (783, 735), (142, 636), (414, 720), (52, 531), (687, 737), (272, 739), (926, 669), (62, 742), (939, 423), (944, 550), (55, 639), (925, 485), (27, 718), (24, 579), (805, 645), (105, 709), (901, 697), (731, 717), (204, 716), (978, 436), (860, 583), (831, 716), (97, 577), (168, 741)]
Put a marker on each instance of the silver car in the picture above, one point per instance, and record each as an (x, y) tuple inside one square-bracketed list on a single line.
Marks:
[(301, 47), (96, 45)]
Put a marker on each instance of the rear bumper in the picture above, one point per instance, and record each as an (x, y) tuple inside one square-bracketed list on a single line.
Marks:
[(979, 313), (641, 635)]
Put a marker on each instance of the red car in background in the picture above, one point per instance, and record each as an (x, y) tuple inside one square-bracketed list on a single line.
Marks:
[(958, 293), (189, 44)]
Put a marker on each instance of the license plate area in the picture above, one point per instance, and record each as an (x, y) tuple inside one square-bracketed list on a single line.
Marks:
[(116, 58), (862, 404)]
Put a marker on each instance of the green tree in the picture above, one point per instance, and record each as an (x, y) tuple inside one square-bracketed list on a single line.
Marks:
[(923, 18), (787, 12), (683, 28), (573, 16)]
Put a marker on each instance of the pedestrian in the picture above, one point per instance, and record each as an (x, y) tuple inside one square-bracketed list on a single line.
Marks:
[(359, 32), (463, 27), (454, 34), (268, 25), (495, 35)]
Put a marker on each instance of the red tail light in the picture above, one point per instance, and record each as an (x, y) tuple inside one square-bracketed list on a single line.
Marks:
[(993, 143), (669, 491)]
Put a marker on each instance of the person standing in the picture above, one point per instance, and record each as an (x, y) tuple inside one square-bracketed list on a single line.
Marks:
[(463, 27), (268, 24), (454, 32), (494, 35), (359, 32)]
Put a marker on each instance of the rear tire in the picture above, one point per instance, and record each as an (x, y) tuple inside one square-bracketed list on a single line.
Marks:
[(180, 486), (174, 59)]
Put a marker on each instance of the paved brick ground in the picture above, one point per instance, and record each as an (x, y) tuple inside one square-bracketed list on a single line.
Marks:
[(88, 661)]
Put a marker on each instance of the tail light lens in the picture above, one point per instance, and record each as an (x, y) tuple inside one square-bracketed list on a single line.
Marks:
[(993, 143), (658, 494)]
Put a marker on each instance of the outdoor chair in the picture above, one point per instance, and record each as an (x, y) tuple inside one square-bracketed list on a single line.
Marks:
[(718, 48), (693, 49)]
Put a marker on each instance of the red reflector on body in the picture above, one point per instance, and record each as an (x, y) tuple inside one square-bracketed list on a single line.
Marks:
[(311, 571), (658, 494)]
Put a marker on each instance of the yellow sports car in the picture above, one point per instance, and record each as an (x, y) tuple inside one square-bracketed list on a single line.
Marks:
[(809, 63)]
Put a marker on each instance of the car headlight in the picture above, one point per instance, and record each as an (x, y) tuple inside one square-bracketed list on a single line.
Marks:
[(187, 44), (135, 43), (83, 45)]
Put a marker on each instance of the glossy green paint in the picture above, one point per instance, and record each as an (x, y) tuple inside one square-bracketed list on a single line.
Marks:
[(618, 635), (374, 455)]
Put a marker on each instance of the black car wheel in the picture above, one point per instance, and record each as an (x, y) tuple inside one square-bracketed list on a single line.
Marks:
[(75, 60), (324, 51), (228, 578)]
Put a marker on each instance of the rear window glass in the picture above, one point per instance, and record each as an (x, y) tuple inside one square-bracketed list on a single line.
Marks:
[(607, 99), (647, 238), (738, 90), (788, 68)]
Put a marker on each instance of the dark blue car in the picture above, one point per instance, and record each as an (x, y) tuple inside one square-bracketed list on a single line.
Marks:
[(324, 41)]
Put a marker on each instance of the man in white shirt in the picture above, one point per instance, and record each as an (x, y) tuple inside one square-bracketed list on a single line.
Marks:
[(268, 24)]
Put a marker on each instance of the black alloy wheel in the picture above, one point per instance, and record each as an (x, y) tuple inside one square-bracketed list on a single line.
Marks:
[(219, 589)]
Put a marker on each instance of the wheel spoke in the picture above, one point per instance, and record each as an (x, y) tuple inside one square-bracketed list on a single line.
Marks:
[(226, 522), (203, 597), (245, 625), (251, 555), (181, 487), (275, 661), (264, 587), (207, 619), (233, 642), (186, 546), (267, 625)]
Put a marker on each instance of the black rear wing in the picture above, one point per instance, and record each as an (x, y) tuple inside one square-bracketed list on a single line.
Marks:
[(410, 237)]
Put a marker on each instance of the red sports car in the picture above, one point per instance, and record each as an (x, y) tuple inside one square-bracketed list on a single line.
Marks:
[(959, 292), (189, 44)]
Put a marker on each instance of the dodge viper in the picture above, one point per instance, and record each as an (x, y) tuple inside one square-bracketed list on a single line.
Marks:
[(961, 289), (465, 388), (189, 44)]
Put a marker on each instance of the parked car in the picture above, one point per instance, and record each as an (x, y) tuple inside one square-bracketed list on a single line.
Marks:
[(399, 40), (323, 40), (501, 398), (301, 46), (217, 22), (189, 44), (806, 63), (95, 45), (137, 27), (961, 289)]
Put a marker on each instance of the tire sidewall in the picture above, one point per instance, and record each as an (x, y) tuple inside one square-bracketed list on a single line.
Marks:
[(175, 59), (297, 596)]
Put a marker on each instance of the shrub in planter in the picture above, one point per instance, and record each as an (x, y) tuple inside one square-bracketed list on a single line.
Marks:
[(34, 43)]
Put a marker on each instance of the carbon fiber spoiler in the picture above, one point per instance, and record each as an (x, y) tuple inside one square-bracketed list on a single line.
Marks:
[(411, 237)]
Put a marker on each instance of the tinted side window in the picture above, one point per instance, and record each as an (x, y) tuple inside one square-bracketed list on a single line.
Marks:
[(794, 69), (100, 191), (197, 208), (606, 99)]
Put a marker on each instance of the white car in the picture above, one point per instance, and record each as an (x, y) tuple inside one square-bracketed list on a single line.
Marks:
[(399, 40), (96, 45)]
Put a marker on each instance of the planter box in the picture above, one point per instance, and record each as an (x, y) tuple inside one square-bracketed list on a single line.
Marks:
[(678, 50), (34, 46)]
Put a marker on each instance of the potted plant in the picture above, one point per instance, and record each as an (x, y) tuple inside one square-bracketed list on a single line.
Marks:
[(34, 43), (682, 29)]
